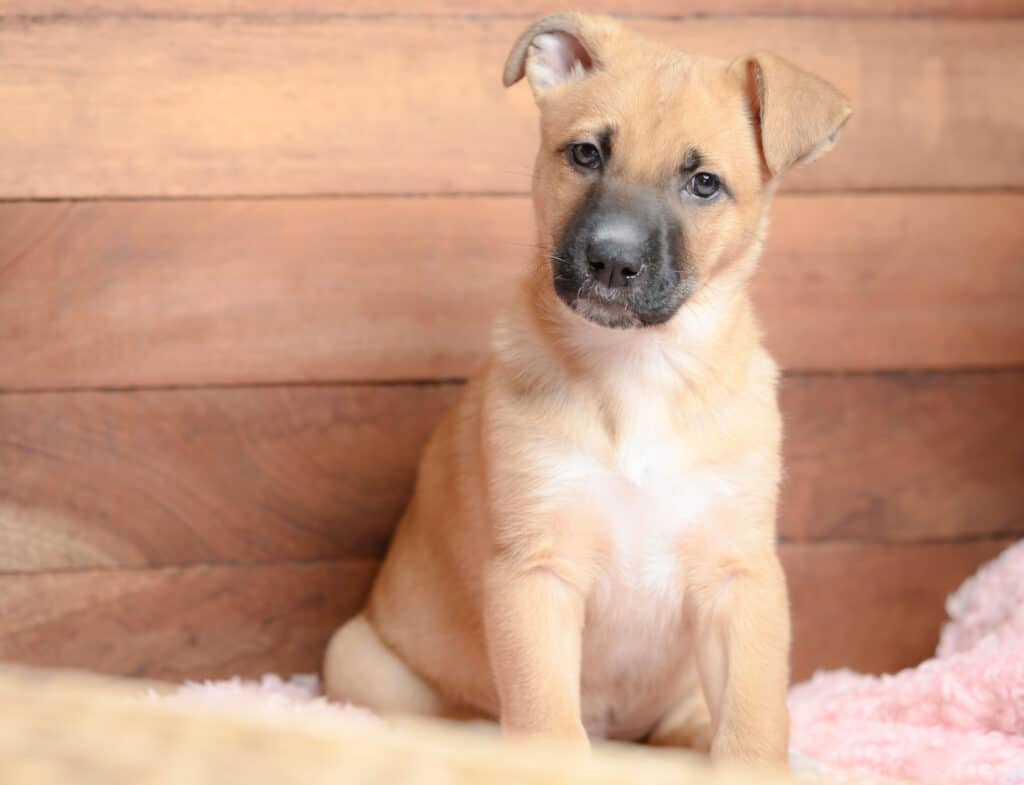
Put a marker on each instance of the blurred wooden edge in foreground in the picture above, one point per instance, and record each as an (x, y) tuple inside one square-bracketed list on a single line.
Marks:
[(67, 727)]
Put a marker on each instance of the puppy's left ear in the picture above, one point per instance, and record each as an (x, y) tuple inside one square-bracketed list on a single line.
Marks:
[(553, 51), (798, 115)]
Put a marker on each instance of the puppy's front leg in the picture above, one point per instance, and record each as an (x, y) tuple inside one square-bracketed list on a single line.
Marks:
[(534, 626), (742, 626)]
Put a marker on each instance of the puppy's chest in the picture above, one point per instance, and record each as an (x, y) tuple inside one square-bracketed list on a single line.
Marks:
[(651, 493)]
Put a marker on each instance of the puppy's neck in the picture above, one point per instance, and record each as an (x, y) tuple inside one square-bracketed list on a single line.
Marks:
[(708, 345)]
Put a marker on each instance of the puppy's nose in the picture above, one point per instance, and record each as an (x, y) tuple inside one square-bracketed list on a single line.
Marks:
[(614, 275), (613, 264)]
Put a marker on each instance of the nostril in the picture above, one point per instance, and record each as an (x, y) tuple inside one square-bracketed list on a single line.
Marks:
[(629, 272), (596, 266)]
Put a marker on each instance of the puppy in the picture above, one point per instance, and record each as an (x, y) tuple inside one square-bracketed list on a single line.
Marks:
[(591, 546)]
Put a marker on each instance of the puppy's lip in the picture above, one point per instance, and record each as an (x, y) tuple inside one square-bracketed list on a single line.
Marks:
[(609, 305), (606, 313), (606, 300), (603, 296)]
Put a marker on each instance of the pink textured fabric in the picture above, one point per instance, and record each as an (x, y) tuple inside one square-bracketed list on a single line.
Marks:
[(271, 696), (956, 718)]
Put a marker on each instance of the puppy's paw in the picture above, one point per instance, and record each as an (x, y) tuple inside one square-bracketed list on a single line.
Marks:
[(767, 749), (572, 738)]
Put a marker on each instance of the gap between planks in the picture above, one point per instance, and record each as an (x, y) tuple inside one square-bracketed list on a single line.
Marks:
[(457, 381), (1005, 538), (299, 17), (312, 196)]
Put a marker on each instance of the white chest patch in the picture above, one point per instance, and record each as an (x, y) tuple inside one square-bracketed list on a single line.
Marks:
[(653, 494), (634, 638), (648, 494)]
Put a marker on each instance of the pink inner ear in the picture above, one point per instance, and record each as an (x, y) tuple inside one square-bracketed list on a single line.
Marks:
[(557, 57)]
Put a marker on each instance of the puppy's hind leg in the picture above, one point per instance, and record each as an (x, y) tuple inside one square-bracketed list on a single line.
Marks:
[(360, 669)]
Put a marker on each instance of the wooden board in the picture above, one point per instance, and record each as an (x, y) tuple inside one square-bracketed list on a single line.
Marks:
[(477, 8), (206, 621), (251, 105), (871, 607), (91, 480), (903, 457), (174, 477), (122, 294)]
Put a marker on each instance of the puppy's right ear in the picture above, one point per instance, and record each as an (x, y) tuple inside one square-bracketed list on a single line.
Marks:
[(552, 52)]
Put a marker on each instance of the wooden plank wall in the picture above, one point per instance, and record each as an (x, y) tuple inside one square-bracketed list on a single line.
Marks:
[(249, 249)]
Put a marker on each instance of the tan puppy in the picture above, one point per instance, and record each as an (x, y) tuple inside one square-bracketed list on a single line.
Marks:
[(591, 543)]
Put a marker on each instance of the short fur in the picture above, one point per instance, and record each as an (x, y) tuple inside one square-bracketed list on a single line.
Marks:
[(591, 544)]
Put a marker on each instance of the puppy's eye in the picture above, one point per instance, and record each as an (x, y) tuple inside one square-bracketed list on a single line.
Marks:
[(704, 185), (585, 155)]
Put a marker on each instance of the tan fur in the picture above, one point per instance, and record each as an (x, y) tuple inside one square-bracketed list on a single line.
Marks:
[(591, 542)]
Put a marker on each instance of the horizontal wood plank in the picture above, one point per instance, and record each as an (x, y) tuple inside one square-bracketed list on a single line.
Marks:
[(123, 106), (478, 8), (124, 294), (180, 623), (871, 607), (173, 477), (903, 458), (256, 475)]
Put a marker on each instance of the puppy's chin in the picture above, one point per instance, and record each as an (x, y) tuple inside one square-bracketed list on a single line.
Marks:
[(619, 309), (607, 314)]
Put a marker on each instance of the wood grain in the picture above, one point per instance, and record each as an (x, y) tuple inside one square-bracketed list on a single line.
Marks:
[(132, 479), (124, 294), (902, 458), (174, 477), (479, 8), (875, 608), (206, 621), (250, 105)]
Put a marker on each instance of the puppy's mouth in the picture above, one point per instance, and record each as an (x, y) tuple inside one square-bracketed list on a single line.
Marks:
[(606, 307)]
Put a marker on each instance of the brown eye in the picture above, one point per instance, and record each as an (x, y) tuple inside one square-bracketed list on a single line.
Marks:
[(585, 155), (704, 185)]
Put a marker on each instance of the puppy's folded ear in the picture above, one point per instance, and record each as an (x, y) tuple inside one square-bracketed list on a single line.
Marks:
[(551, 52), (797, 114)]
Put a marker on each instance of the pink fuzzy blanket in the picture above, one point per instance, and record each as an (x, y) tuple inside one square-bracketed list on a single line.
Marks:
[(957, 719)]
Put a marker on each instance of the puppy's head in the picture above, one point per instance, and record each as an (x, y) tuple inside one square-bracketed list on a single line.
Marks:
[(655, 165)]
